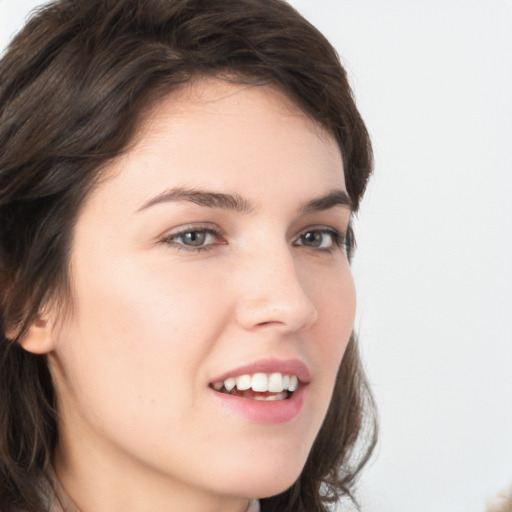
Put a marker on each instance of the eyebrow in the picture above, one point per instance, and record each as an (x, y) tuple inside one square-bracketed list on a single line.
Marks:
[(237, 203), (202, 198), (334, 198)]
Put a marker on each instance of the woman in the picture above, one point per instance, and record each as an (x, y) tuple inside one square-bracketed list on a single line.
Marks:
[(177, 180)]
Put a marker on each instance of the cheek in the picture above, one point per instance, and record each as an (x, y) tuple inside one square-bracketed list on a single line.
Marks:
[(335, 300), (334, 297), (142, 331)]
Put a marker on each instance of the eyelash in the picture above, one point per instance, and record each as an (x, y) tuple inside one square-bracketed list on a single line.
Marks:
[(170, 239), (339, 239)]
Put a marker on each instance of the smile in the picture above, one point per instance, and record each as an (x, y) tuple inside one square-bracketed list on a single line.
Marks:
[(259, 386)]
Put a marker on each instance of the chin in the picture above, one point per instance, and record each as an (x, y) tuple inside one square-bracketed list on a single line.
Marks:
[(266, 483), (272, 489)]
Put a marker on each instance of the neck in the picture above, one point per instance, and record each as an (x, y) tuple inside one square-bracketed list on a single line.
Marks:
[(91, 482)]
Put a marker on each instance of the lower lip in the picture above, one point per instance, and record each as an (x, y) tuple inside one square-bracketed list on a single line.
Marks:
[(265, 412)]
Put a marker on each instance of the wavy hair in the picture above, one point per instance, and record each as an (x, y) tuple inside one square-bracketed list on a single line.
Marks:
[(75, 85)]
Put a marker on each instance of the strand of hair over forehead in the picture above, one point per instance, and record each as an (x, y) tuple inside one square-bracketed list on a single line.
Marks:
[(72, 89), (198, 36)]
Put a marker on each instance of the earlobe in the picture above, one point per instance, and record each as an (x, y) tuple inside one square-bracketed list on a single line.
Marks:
[(38, 338)]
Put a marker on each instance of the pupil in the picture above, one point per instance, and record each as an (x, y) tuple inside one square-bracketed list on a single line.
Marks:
[(313, 238), (194, 238)]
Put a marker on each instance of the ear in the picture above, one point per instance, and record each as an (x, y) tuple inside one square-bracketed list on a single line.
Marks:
[(39, 337)]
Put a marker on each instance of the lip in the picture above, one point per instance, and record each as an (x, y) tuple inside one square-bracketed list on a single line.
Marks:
[(284, 366), (267, 412)]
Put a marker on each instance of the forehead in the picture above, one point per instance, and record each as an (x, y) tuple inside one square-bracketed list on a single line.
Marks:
[(218, 97), (218, 135)]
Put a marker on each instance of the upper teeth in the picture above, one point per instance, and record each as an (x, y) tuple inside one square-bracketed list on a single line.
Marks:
[(261, 382)]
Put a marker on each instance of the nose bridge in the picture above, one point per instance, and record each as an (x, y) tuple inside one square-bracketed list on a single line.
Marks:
[(271, 291)]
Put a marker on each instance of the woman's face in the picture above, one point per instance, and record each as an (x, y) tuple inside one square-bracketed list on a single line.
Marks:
[(212, 250)]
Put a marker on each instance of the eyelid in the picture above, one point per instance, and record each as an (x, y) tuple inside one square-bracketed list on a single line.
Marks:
[(339, 238), (168, 236)]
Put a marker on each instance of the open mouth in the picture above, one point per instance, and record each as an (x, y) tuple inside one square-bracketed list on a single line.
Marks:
[(259, 386)]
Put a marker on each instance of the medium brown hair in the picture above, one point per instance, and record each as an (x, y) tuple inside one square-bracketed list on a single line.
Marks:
[(74, 86)]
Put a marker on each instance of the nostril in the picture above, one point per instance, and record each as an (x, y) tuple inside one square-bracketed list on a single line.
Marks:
[(288, 314)]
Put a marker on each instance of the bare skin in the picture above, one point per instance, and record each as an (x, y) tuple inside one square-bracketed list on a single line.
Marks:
[(171, 293)]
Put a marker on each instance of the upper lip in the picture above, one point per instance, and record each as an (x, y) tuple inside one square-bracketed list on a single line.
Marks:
[(284, 366)]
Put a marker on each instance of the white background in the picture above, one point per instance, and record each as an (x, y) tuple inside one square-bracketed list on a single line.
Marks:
[(433, 80)]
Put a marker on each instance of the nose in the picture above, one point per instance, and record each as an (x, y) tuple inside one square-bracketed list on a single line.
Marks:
[(272, 294)]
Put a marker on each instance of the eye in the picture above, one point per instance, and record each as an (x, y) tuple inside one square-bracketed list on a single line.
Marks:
[(321, 238), (194, 239)]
